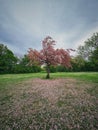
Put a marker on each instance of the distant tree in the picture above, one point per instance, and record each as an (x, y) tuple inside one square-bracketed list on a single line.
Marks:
[(94, 56), (94, 59), (7, 59), (24, 60), (89, 52), (89, 46), (61, 68), (49, 56), (23, 66), (78, 63)]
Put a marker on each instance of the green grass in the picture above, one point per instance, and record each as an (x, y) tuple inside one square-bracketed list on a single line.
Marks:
[(13, 78), (87, 76), (68, 101)]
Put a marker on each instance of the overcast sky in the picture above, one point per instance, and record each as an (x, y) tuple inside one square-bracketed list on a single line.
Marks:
[(25, 23)]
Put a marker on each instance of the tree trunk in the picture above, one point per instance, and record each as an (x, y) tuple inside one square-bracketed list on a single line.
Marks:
[(48, 72)]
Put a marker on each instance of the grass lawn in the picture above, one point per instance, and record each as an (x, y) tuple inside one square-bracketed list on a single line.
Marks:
[(68, 101)]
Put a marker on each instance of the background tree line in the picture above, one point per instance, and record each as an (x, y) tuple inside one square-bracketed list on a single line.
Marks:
[(85, 60), (9, 63)]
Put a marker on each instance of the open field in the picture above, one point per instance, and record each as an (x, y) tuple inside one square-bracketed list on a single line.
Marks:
[(68, 101)]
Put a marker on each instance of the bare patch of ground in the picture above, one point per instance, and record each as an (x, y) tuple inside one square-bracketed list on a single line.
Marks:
[(56, 104)]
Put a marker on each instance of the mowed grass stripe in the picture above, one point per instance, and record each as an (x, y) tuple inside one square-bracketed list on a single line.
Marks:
[(87, 76)]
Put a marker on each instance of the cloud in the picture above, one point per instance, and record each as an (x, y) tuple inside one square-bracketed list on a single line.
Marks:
[(87, 34), (24, 24)]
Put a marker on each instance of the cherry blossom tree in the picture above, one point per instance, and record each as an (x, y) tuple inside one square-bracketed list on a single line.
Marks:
[(49, 56)]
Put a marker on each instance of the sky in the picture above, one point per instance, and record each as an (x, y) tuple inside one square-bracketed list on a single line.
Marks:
[(25, 23)]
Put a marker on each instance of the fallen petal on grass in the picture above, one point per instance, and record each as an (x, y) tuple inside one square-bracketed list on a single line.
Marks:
[(56, 104)]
